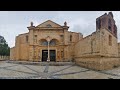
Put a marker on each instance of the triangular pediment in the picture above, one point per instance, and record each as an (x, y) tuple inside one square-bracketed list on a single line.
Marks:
[(49, 24)]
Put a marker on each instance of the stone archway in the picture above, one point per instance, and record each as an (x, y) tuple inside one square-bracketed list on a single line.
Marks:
[(49, 51), (43, 42), (54, 42)]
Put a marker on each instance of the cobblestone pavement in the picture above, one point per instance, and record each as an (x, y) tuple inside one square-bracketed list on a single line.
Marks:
[(68, 71)]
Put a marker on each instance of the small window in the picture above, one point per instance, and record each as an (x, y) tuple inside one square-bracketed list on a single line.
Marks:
[(52, 42), (115, 30), (49, 25), (110, 40), (98, 23), (27, 38), (44, 43), (62, 37), (35, 36), (109, 25)]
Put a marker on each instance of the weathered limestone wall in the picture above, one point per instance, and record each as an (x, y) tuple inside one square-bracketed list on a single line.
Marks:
[(97, 44), (88, 46), (24, 52), (12, 53), (106, 49), (4, 57), (95, 52), (98, 63), (119, 50), (17, 48), (44, 34), (20, 51), (23, 47), (75, 37)]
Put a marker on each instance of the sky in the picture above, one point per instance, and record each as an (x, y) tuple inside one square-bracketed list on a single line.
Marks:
[(13, 23)]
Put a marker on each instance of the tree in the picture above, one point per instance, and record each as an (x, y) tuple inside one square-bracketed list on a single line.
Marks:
[(4, 48)]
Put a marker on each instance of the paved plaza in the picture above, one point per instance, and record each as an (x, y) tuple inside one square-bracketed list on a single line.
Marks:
[(10, 70)]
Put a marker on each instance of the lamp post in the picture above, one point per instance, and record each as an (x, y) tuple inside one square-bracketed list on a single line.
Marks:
[(48, 40)]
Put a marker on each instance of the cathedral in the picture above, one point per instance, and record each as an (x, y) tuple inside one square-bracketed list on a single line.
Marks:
[(48, 41), (51, 42)]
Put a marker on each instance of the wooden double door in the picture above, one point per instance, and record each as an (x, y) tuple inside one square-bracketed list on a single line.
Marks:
[(52, 55)]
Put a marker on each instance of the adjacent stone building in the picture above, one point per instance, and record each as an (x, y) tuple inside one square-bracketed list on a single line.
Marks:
[(100, 49), (50, 41)]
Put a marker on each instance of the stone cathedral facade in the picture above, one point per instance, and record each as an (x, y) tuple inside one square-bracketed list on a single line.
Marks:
[(50, 41), (33, 46)]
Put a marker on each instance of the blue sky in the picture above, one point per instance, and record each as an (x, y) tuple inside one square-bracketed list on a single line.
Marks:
[(13, 23)]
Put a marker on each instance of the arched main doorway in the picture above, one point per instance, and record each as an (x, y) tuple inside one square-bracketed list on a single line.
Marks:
[(52, 52)]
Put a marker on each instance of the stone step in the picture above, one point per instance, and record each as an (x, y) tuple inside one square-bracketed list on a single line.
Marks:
[(42, 63)]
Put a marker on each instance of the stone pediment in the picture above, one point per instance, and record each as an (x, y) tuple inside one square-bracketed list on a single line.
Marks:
[(49, 24)]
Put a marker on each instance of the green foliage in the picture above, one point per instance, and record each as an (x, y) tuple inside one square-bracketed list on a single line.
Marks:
[(4, 48)]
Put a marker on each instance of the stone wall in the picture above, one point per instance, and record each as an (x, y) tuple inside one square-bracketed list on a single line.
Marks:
[(107, 49), (95, 52), (4, 57), (88, 46), (119, 49), (12, 53), (23, 48), (98, 63), (100, 50)]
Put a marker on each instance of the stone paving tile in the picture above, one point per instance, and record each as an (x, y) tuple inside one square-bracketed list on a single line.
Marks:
[(21, 68), (4, 64), (114, 71), (55, 77), (85, 75), (10, 73), (21, 71), (37, 68), (56, 68), (114, 77), (72, 69)]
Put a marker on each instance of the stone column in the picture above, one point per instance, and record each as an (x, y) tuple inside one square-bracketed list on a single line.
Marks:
[(48, 40), (48, 59)]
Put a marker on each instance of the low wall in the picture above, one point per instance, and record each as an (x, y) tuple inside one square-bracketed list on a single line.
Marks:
[(101, 63), (4, 57)]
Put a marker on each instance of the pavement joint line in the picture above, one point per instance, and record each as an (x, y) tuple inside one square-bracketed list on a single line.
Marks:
[(70, 73), (29, 77), (30, 69), (107, 73), (8, 66), (22, 71), (61, 69), (46, 69), (54, 77)]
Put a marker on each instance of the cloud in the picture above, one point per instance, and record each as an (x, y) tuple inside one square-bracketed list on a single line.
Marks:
[(16, 22), (10, 31), (83, 26)]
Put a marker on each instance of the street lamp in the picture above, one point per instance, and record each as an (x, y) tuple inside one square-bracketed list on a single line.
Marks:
[(48, 40)]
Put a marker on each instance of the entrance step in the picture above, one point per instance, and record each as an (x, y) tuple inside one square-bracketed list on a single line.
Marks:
[(43, 63)]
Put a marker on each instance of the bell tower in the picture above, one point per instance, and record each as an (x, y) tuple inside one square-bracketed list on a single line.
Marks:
[(107, 22)]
